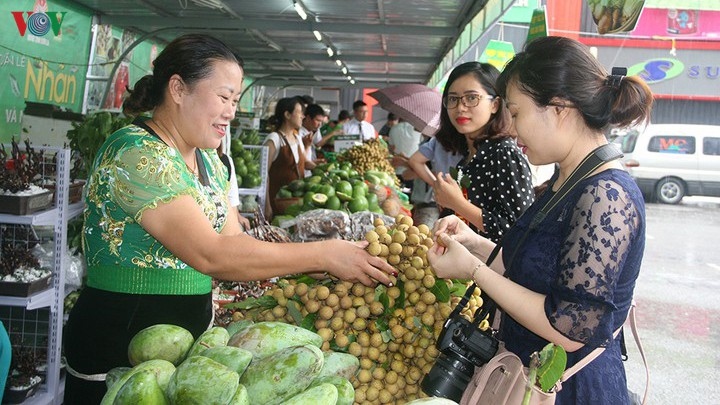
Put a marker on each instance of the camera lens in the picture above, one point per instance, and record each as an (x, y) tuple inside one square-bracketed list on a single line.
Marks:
[(448, 378)]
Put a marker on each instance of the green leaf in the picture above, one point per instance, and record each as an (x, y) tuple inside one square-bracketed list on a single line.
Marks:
[(306, 279), (265, 302), (385, 301), (309, 322), (458, 288), (382, 324), (387, 336), (553, 361), (441, 290), (294, 311), (400, 301)]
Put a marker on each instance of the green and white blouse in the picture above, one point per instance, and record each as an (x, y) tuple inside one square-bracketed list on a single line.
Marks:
[(135, 171)]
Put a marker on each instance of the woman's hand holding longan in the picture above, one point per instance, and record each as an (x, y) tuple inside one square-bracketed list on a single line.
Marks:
[(350, 262), (450, 259)]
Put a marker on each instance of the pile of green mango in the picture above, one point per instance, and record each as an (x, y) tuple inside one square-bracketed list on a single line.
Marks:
[(246, 363)]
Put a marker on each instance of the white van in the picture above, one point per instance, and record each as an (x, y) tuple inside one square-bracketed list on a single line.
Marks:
[(670, 161)]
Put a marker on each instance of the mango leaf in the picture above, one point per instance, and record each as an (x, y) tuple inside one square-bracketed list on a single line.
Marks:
[(441, 290), (304, 278), (265, 302), (553, 361), (385, 301)]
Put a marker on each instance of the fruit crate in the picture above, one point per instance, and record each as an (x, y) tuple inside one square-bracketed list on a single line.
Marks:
[(17, 289)]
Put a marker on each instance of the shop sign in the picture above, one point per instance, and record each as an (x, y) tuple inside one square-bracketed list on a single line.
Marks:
[(498, 53), (43, 59), (247, 120), (657, 70), (346, 141)]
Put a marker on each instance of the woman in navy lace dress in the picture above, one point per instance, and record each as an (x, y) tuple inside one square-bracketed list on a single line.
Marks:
[(571, 280)]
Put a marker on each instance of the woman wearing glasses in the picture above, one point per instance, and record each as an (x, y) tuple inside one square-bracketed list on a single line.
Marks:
[(493, 185)]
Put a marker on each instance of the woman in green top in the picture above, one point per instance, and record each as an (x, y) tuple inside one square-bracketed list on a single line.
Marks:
[(158, 227)]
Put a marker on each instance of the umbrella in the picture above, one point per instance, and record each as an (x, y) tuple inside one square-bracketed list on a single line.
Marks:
[(415, 103)]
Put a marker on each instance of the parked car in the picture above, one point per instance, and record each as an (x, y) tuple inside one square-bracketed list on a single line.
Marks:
[(670, 161)]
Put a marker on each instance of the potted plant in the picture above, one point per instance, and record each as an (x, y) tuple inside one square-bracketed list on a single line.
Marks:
[(19, 172), (20, 275), (23, 379), (88, 135)]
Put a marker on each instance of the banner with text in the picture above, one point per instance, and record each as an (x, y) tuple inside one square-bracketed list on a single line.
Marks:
[(44, 47)]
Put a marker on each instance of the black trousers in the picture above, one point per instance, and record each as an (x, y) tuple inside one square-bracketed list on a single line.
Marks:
[(102, 323)]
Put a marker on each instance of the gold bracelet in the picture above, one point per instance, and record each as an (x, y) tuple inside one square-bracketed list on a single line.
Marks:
[(475, 270)]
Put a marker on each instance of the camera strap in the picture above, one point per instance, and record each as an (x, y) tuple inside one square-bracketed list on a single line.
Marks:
[(598, 157)]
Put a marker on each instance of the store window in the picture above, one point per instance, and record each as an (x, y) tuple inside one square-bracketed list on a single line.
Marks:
[(683, 145)]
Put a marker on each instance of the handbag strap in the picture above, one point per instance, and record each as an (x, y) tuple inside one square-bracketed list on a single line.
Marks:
[(598, 351)]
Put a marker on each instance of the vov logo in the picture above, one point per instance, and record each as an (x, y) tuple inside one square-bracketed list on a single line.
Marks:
[(38, 24)]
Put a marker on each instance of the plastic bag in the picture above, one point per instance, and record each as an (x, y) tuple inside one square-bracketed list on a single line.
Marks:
[(319, 225), (363, 221)]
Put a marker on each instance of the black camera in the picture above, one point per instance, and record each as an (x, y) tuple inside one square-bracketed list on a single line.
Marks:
[(463, 346)]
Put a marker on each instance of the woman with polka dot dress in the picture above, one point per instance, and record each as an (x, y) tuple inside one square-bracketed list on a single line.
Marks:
[(493, 185)]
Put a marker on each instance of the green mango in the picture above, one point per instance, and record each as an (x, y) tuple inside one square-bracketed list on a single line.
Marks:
[(282, 375), (161, 341), (213, 337), (241, 396), (236, 326), (265, 338), (346, 392), (202, 381), (339, 364), (114, 375), (162, 369), (234, 358), (141, 389), (323, 394)]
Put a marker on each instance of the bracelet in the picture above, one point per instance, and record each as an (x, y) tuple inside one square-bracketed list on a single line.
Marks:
[(475, 270)]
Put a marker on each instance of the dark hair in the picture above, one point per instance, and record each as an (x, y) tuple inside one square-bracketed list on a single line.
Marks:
[(561, 68), (189, 56), (500, 122), (358, 104), (307, 99), (313, 110), (392, 117), (344, 115), (284, 105)]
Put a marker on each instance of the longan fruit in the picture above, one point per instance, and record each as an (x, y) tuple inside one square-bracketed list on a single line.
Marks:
[(364, 376), (378, 222), (428, 281), (372, 236), (381, 230), (358, 290), (345, 302), (332, 300), (312, 306), (342, 340), (337, 324), (386, 239), (364, 339), (376, 308), (301, 289), (323, 292), (288, 291), (374, 249), (395, 248), (384, 251), (424, 229), (325, 313), (407, 221), (363, 311), (355, 349), (399, 237), (393, 259), (391, 377), (349, 316)]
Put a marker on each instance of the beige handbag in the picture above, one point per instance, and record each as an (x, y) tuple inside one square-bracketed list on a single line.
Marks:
[(503, 380)]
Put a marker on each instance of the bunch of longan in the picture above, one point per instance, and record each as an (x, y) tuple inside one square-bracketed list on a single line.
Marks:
[(392, 330)]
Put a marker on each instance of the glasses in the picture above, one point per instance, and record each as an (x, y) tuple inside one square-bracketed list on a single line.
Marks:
[(468, 100)]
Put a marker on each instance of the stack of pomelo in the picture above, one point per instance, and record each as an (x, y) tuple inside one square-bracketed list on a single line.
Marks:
[(332, 186)]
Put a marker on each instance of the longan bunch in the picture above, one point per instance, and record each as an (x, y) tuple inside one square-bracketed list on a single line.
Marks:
[(392, 330), (370, 155)]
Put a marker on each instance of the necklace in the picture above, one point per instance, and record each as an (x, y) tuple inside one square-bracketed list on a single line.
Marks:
[(192, 170)]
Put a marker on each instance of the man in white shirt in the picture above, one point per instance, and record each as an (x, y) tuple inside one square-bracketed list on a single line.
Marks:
[(358, 125), (310, 132), (403, 141)]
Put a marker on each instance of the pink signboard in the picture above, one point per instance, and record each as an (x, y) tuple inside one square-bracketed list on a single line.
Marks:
[(696, 24)]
